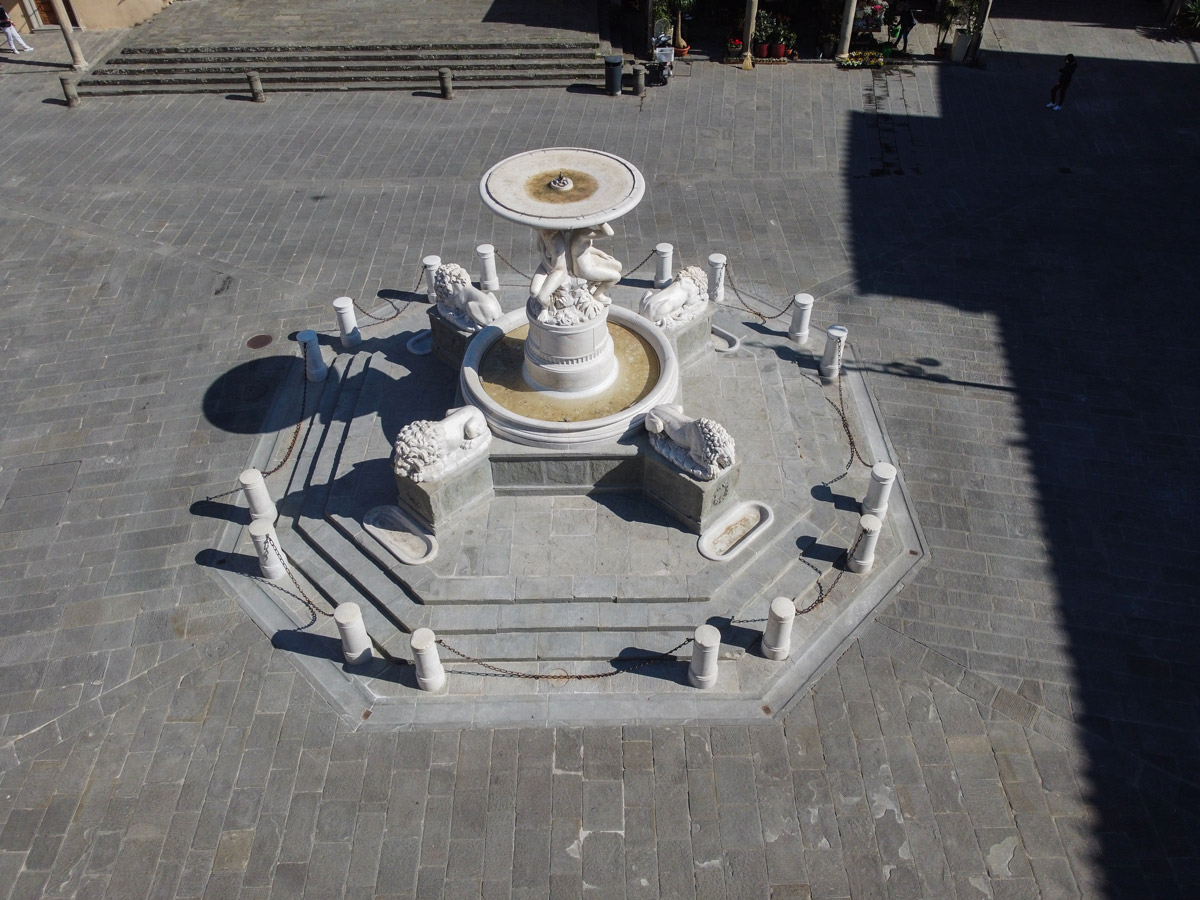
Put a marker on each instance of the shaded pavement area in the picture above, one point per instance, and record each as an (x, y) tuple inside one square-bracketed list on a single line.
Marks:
[(1020, 721)]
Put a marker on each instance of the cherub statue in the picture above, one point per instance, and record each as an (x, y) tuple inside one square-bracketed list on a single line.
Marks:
[(593, 265)]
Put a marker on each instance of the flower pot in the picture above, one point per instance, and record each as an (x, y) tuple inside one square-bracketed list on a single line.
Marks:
[(760, 51), (778, 51), (941, 51)]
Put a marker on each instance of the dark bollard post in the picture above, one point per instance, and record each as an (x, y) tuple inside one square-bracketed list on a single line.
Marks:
[(68, 86), (256, 88), (446, 80), (639, 81), (613, 66)]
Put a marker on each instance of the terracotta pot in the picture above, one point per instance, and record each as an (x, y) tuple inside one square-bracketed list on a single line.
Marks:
[(778, 51), (760, 51), (940, 51)]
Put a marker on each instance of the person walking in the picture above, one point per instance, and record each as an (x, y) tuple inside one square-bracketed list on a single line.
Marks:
[(14, 36), (1058, 93), (906, 20)]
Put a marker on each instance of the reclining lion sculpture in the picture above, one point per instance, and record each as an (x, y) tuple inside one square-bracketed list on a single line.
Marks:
[(679, 302), (461, 302), (701, 447), (428, 450)]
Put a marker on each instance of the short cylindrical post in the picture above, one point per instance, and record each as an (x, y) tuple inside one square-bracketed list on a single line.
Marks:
[(489, 279), (356, 645), (266, 545), (639, 81), (662, 269), (314, 364), (343, 308), (69, 85), (883, 476), (430, 674), (802, 305), (256, 88), (864, 554), (716, 276), (257, 497), (431, 264), (702, 672), (835, 345), (446, 83), (613, 69), (777, 636)]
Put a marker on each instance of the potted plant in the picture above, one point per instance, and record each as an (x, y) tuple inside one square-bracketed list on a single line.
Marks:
[(964, 20), (734, 48), (784, 38), (944, 17), (673, 11), (765, 25)]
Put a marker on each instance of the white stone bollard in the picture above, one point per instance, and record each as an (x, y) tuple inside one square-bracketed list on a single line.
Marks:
[(702, 672), (802, 305), (716, 276), (777, 636), (864, 554), (663, 266), (257, 497), (431, 264), (489, 279), (430, 674), (356, 646), (314, 364), (343, 308), (835, 344), (883, 476), (266, 545)]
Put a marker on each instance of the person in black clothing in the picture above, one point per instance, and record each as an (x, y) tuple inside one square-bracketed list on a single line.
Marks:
[(1058, 93), (906, 20), (10, 32)]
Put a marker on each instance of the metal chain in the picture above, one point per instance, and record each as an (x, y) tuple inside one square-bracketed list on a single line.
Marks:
[(741, 301), (312, 607), (823, 591), (500, 257), (379, 320), (499, 672), (633, 269)]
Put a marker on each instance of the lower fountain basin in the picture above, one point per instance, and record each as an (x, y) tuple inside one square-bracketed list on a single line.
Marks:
[(647, 375)]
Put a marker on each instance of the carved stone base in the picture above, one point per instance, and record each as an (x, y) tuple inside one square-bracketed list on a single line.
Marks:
[(439, 505), (449, 341), (694, 504), (694, 339)]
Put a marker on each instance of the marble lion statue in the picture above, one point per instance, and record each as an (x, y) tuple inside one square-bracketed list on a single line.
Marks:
[(680, 301), (701, 447), (426, 450), (461, 302)]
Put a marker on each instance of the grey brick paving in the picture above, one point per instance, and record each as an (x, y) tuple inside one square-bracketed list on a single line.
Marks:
[(1021, 722)]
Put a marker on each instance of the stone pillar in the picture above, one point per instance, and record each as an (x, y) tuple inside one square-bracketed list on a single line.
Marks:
[(430, 674), (256, 88), (663, 266), (70, 90), (847, 28), (489, 280), (78, 63), (702, 672), (356, 645), (864, 555), (716, 277), (835, 344), (266, 545), (343, 308), (446, 83), (777, 637), (431, 264), (883, 476), (802, 305), (262, 507), (314, 364), (639, 81)]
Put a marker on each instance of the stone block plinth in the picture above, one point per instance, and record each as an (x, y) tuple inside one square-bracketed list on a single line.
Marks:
[(439, 505), (449, 341), (694, 504), (693, 340)]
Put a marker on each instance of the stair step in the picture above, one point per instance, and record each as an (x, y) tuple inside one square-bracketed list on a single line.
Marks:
[(345, 66), (288, 57), (467, 47), (133, 87)]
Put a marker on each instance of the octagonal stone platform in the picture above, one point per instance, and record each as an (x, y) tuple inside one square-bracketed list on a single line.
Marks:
[(562, 579)]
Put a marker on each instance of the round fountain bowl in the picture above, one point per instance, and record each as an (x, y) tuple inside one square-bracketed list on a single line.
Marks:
[(493, 379)]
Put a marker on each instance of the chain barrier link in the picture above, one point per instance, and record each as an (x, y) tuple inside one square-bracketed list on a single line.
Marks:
[(633, 269), (379, 320), (500, 672), (304, 598), (741, 301), (822, 591), (500, 256)]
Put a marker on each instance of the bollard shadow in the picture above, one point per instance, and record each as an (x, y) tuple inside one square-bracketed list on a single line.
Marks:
[(241, 97), (239, 400), (227, 512), (631, 661), (56, 101), (734, 634), (318, 646), (237, 563), (436, 95), (763, 328), (584, 87), (815, 550), (823, 493)]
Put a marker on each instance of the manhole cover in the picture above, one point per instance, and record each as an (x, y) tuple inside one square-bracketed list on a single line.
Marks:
[(258, 341)]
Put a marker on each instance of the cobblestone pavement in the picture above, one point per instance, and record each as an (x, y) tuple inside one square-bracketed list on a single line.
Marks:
[(1021, 722)]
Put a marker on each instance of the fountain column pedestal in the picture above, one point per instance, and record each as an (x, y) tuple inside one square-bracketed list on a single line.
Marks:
[(574, 359)]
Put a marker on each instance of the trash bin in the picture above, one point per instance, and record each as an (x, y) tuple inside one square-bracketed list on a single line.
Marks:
[(613, 68)]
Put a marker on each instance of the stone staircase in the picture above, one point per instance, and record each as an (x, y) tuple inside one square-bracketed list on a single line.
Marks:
[(178, 70)]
